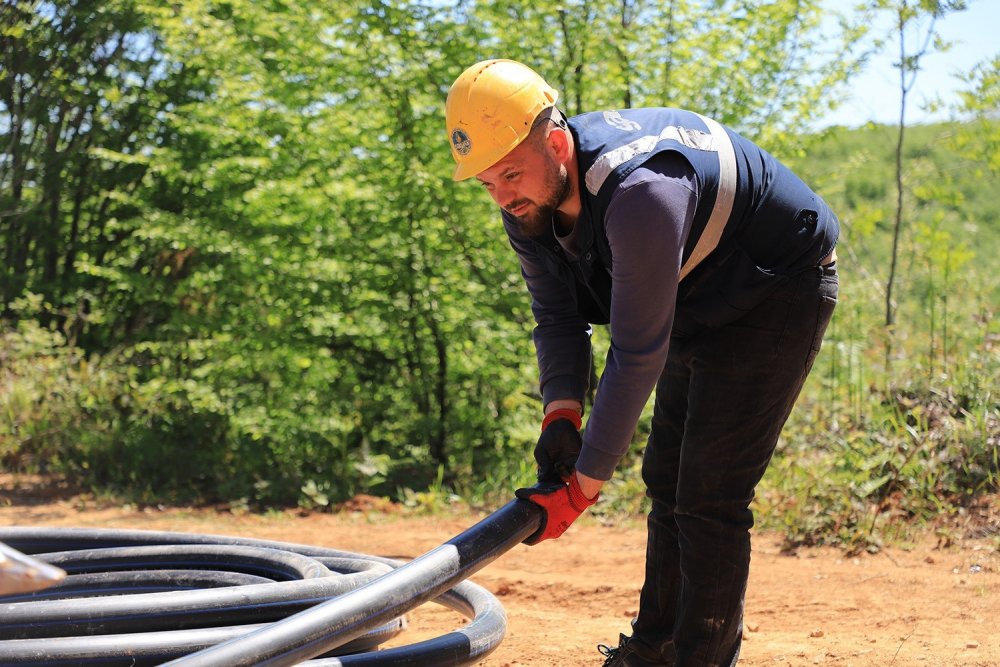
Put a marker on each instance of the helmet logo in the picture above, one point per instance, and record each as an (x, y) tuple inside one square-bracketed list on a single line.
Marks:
[(460, 140)]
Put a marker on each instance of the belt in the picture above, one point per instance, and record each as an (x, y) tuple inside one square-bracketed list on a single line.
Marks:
[(829, 259)]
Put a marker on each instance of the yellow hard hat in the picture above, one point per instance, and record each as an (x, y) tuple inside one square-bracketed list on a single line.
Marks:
[(490, 110)]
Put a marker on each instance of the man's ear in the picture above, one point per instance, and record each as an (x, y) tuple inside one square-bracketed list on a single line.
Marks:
[(560, 142)]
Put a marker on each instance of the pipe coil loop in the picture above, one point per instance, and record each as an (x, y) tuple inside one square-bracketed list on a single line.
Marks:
[(145, 597)]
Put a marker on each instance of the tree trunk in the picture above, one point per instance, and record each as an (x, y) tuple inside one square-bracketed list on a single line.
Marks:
[(439, 443), (668, 64)]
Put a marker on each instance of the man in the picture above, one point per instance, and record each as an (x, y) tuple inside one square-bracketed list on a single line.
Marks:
[(714, 267)]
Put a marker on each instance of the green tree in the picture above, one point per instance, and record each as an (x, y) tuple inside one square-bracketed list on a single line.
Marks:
[(769, 69), (919, 18), (980, 103), (81, 93), (270, 253)]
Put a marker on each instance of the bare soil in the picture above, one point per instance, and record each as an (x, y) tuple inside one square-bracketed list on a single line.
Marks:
[(935, 602)]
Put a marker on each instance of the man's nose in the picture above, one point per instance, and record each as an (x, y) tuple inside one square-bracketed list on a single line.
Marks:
[(504, 196)]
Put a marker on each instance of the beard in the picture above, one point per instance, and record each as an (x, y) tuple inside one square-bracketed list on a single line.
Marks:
[(538, 218)]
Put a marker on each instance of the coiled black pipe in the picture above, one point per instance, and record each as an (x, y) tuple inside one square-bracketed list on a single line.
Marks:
[(218, 600)]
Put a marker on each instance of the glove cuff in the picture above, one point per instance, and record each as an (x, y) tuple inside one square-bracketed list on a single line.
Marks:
[(579, 501), (569, 414)]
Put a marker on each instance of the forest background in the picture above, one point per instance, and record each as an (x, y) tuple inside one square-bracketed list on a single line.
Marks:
[(235, 268)]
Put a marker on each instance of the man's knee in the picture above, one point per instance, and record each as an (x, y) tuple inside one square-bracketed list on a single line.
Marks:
[(712, 512)]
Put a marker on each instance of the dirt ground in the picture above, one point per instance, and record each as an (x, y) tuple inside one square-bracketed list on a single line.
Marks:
[(925, 604)]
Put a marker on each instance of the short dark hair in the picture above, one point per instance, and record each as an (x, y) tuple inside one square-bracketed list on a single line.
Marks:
[(540, 126)]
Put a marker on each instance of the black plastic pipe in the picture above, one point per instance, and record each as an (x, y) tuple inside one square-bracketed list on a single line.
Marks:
[(353, 620), (179, 609), (331, 624)]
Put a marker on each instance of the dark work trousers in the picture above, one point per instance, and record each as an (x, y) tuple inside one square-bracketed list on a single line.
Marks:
[(721, 403)]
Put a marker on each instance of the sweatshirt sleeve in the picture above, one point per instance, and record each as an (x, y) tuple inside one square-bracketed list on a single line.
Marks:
[(647, 223), (561, 335)]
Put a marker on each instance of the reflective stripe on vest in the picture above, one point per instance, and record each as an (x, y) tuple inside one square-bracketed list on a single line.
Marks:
[(724, 198), (716, 140)]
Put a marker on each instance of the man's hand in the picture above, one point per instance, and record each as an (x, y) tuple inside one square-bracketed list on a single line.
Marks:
[(562, 504), (558, 446)]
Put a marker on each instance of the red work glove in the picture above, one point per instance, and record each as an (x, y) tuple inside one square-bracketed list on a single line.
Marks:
[(562, 504), (558, 446)]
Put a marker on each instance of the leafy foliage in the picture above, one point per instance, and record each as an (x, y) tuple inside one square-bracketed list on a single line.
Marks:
[(872, 449)]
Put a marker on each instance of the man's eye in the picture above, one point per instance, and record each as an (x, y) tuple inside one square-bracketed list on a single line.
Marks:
[(512, 175)]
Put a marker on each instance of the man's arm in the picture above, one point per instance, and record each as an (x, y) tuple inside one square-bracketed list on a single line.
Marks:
[(588, 485), (647, 224), (561, 335)]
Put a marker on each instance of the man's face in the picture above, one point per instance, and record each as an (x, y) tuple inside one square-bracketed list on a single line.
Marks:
[(530, 184)]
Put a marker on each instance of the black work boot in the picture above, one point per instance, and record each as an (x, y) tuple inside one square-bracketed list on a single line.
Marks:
[(625, 655)]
